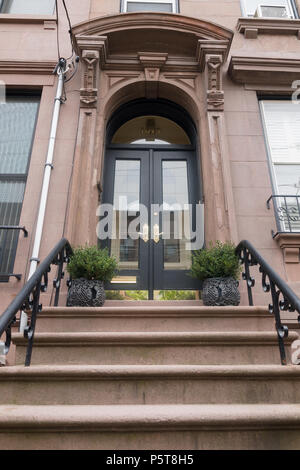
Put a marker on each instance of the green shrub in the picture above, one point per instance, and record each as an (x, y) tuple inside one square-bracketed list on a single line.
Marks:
[(113, 295), (218, 260), (92, 263), (176, 295)]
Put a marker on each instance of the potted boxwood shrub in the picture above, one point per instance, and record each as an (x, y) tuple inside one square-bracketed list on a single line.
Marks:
[(219, 269), (89, 269)]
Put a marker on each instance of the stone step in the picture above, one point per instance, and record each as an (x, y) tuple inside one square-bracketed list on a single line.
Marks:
[(155, 318), (154, 348), (150, 427), (108, 385)]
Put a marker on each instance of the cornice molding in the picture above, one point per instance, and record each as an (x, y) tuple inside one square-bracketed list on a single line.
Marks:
[(252, 27), (130, 28), (264, 71), (153, 20), (27, 67)]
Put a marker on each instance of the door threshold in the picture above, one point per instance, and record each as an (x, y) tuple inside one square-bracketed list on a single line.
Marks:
[(148, 303)]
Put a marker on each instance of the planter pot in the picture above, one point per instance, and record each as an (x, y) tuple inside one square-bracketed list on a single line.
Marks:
[(220, 291), (86, 293)]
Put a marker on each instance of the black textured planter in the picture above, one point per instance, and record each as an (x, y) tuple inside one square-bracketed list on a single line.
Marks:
[(86, 293), (220, 291)]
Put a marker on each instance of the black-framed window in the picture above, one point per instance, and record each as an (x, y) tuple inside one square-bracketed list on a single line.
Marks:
[(165, 6), (18, 117), (281, 121), (269, 8), (27, 7)]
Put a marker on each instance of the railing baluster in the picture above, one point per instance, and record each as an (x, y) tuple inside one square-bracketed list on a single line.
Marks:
[(29, 297), (275, 285)]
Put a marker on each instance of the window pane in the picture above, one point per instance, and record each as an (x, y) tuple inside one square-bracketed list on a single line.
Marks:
[(151, 130), (17, 123), (250, 7), (11, 198), (29, 7), (149, 6), (282, 123), (288, 179)]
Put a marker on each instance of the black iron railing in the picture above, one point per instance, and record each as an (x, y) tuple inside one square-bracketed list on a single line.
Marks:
[(287, 213), (283, 298), (28, 300), (9, 235)]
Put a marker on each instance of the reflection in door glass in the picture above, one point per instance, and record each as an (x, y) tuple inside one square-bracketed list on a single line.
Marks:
[(176, 217), (126, 198)]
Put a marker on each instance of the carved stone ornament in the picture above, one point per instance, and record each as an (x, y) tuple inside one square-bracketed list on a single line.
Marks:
[(152, 64), (89, 90), (215, 93), (211, 57)]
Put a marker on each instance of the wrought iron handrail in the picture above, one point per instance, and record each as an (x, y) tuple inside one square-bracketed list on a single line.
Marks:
[(15, 227), (7, 275), (283, 297), (287, 212), (28, 298)]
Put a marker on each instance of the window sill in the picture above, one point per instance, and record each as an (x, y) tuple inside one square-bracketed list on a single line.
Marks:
[(252, 27), (49, 21)]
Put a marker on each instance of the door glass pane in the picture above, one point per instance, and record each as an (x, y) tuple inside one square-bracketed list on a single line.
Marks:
[(176, 215), (126, 207)]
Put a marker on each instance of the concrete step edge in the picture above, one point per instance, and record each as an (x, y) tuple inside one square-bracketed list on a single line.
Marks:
[(155, 338), (155, 311), (111, 418), (149, 372)]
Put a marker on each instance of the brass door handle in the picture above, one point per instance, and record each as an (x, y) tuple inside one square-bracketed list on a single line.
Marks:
[(145, 233), (156, 233)]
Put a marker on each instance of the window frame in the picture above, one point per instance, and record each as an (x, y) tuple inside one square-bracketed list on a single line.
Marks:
[(174, 3), (20, 177), (290, 3), (5, 4), (281, 223)]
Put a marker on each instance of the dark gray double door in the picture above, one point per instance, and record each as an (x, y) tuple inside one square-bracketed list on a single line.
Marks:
[(154, 193)]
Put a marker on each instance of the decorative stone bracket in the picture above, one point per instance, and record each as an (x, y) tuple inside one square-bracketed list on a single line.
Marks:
[(290, 245), (152, 64), (93, 53), (212, 55)]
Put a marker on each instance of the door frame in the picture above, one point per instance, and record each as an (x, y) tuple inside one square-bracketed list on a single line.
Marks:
[(176, 113)]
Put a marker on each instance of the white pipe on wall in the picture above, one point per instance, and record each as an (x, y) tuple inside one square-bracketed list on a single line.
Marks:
[(61, 70)]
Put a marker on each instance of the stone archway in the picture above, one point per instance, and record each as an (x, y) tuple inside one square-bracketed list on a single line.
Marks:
[(151, 55)]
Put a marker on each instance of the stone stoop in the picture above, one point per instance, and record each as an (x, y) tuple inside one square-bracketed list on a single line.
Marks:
[(157, 377)]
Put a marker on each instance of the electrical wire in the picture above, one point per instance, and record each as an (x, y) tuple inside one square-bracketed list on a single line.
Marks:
[(57, 30), (70, 28)]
